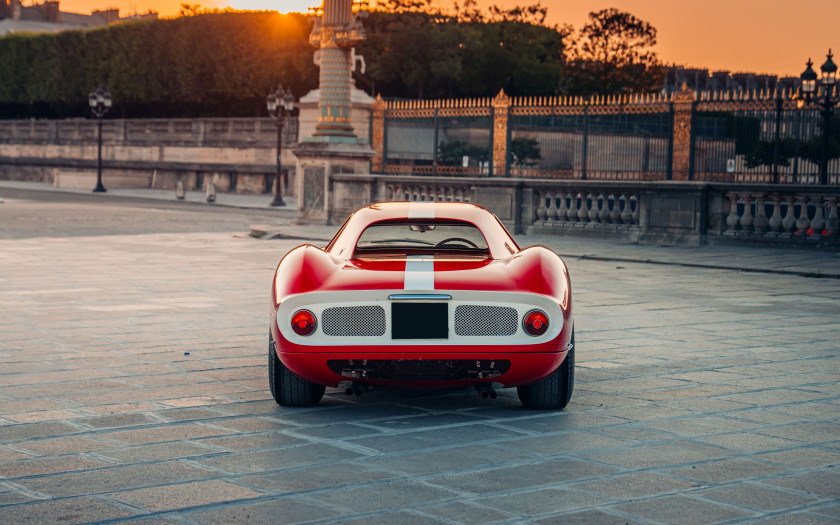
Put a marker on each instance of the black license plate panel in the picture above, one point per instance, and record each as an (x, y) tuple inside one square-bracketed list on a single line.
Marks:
[(419, 321)]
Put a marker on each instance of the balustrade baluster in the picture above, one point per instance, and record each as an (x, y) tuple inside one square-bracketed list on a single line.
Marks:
[(583, 212), (542, 211), (746, 221), (635, 209), (818, 222), (563, 209), (775, 221), (572, 212), (760, 221), (604, 214), (627, 212), (615, 213), (789, 221), (594, 209), (802, 222), (832, 224), (732, 218), (552, 207)]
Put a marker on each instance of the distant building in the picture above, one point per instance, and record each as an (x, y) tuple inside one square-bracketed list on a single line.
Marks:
[(48, 17), (704, 80)]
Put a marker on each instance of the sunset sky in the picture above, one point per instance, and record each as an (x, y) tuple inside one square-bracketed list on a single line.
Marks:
[(762, 36)]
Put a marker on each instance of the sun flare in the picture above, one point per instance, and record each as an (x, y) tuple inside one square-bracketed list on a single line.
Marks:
[(283, 6)]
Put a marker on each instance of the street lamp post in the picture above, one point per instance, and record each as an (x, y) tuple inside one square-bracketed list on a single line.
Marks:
[(280, 104), (100, 103), (824, 93)]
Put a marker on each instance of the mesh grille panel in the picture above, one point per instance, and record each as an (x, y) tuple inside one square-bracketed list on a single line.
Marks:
[(473, 319), (354, 321)]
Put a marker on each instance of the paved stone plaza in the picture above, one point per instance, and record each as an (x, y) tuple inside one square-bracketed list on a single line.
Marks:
[(133, 389)]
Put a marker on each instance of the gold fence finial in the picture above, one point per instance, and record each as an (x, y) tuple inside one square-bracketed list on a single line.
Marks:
[(379, 104), (501, 100)]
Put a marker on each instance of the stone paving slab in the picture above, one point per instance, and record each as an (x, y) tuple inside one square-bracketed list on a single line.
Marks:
[(133, 389)]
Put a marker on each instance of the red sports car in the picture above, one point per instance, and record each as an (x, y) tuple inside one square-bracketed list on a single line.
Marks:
[(422, 294)]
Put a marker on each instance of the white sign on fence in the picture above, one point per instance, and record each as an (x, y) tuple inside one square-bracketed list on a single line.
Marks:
[(730, 165)]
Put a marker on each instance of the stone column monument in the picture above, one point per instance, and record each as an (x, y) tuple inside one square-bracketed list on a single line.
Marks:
[(333, 147)]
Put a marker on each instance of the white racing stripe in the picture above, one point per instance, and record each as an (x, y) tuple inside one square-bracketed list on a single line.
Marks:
[(421, 210), (419, 273)]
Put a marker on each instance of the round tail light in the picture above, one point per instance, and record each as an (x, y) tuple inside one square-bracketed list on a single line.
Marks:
[(304, 322), (535, 322)]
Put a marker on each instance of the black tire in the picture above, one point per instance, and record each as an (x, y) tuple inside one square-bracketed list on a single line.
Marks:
[(287, 388), (555, 391)]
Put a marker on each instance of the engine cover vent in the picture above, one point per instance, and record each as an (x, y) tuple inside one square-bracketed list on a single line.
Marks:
[(353, 321), (480, 320)]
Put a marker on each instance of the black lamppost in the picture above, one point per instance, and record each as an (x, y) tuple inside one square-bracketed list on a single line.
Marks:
[(280, 104), (824, 93), (100, 102)]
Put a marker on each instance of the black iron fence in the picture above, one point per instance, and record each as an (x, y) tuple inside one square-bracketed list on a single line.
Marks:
[(438, 140), (760, 136), (762, 141)]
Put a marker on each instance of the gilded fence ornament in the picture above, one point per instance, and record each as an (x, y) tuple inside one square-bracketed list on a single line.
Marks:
[(501, 104), (377, 110), (683, 102)]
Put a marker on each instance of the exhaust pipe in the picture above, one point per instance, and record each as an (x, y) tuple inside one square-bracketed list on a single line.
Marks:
[(355, 388), (486, 390)]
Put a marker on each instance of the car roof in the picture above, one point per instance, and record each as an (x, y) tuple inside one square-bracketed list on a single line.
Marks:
[(495, 234)]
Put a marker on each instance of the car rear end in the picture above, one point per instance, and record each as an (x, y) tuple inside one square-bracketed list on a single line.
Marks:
[(422, 337)]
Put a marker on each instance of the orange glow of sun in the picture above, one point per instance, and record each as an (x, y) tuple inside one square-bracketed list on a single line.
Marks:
[(283, 6)]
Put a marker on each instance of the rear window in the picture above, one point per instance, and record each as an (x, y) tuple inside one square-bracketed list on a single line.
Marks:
[(422, 236)]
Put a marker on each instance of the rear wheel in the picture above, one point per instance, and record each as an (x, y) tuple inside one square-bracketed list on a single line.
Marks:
[(287, 388), (555, 391)]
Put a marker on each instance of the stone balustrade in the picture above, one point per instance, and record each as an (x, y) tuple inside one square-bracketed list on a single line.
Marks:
[(419, 191), (782, 213), (654, 212), (175, 132), (584, 206)]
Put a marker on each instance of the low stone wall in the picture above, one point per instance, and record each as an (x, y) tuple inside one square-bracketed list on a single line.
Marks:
[(234, 154), (674, 213)]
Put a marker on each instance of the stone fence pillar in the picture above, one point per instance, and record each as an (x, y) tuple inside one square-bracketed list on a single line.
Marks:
[(501, 103), (377, 134), (683, 107)]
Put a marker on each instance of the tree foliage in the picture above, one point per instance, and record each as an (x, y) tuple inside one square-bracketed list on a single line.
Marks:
[(765, 152), (525, 151), (453, 153), (212, 62), (414, 51), (614, 54), (209, 65)]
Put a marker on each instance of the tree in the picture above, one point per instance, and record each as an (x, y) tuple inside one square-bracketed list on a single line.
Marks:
[(525, 151), (453, 153), (159, 68), (614, 55), (417, 54)]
